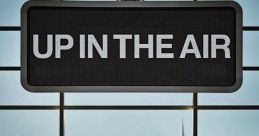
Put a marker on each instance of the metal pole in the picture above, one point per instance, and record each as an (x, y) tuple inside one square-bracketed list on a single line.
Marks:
[(61, 115), (195, 114)]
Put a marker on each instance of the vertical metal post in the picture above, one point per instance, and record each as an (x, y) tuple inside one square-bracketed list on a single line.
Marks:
[(195, 114), (61, 112), (195, 111), (61, 115)]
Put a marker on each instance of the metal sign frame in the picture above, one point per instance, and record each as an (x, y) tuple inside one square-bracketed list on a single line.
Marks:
[(156, 89)]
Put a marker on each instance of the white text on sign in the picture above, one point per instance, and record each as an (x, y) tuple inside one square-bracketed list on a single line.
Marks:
[(189, 46)]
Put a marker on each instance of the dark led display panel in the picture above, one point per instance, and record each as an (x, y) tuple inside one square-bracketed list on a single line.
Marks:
[(131, 46)]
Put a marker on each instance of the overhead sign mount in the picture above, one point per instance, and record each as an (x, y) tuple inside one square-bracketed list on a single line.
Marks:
[(131, 46)]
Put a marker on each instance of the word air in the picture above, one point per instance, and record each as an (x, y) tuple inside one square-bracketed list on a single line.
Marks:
[(155, 49)]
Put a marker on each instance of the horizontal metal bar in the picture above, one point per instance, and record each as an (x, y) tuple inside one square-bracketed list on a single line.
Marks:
[(97, 107), (229, 107), (10, 68), (18, 28), (10, 28), (129, 107), (250, 68), (250, 28), (19, 68), (23, 107)]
